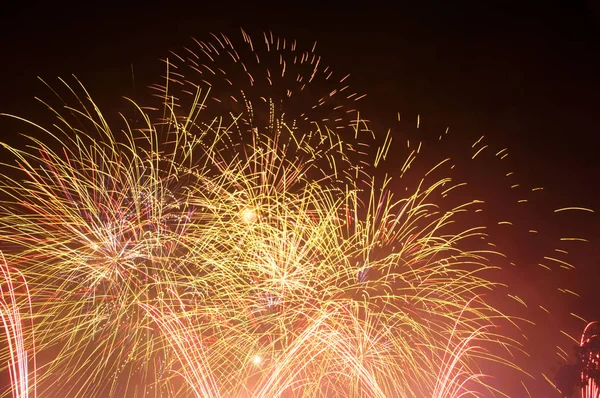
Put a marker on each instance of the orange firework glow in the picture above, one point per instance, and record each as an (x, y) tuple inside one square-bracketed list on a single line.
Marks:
[(235, 242)]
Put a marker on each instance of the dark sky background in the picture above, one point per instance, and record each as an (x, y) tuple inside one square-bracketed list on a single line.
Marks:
[(524, 75)]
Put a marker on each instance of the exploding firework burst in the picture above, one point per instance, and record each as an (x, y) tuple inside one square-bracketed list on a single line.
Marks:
[(235, 243)]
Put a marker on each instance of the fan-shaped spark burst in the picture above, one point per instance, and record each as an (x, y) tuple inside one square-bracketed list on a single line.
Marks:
[(235, 243)]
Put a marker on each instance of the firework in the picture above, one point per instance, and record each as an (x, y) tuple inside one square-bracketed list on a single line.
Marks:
[(10, 313), (236, 243), (589, 357)]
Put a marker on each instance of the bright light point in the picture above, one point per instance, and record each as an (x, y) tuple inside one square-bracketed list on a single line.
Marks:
[(256, 360), (249, 216)]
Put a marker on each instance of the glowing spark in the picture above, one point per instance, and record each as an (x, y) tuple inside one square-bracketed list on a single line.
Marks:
[(249, 216)]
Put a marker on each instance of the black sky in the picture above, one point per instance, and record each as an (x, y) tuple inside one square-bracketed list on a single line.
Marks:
[(525, 75), (526, 72)]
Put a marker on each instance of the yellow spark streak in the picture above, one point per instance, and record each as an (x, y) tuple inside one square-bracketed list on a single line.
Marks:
[(570, 337), (479, 151), (574, 208), (580, 318), (574, 239), (569, 266)]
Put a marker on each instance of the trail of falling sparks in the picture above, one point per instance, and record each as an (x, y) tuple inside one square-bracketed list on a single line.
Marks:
[(19, 356)]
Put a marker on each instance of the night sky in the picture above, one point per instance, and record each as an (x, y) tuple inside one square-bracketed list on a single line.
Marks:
[(526, 77)]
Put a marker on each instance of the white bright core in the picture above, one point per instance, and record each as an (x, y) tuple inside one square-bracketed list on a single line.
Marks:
[(249, 216)]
